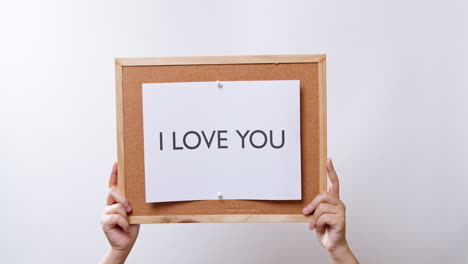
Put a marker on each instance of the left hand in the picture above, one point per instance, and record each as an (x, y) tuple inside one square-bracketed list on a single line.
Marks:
[(114, 221)]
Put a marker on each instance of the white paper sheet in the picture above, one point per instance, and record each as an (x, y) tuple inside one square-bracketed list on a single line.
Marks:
[(212, 160)]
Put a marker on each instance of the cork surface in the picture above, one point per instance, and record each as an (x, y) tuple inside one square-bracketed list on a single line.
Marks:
[(134, 76)]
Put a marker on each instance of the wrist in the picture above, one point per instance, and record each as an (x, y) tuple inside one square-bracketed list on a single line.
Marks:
[(115, 256), (342, 254), (339, 248)]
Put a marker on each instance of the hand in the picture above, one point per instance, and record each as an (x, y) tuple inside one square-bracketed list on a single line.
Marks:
[(329, 220), (114, 222)]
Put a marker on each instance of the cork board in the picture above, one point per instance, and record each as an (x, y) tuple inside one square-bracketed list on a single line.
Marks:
[(131, 73)]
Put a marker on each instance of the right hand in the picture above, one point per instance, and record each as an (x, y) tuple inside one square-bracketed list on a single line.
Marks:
[(114, 220), (328, 219)]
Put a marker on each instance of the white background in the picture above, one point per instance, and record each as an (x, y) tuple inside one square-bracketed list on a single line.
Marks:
[(397, 119)]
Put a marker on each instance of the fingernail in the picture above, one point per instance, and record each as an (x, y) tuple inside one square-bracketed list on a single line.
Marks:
[(129, 208), (305, 210), (311, 226)]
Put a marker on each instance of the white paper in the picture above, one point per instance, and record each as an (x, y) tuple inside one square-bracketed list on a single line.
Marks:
[(204, 173)]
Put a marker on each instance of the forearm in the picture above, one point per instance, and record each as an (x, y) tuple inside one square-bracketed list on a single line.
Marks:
[(114, 257), (343, 255)]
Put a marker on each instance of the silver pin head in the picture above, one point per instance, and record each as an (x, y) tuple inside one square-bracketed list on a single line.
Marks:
[(220, 195), (220, 84)]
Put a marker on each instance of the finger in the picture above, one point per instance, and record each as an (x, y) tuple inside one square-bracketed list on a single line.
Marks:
[(114, 196), (113, 179), (334, 182), (110, 221), (324, 208), (321, 198), (325, 219), (117, 208)]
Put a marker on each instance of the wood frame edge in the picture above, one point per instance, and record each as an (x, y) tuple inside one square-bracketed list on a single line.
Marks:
[(323, 125), (120, 126), (246, 218), (200, 60)]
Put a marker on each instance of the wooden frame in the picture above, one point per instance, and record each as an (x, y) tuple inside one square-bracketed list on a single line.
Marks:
[(264, 59)]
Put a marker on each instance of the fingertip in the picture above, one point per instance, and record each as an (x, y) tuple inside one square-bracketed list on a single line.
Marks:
[(115, 168), (113, 179), (311, 226), (129, 209), (330, 164)]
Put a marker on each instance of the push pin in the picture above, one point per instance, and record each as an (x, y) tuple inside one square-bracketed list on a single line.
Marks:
[(220, 84), (220, 195)]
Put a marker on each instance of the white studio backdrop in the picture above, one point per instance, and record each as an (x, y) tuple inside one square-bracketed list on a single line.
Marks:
[(397, 123)]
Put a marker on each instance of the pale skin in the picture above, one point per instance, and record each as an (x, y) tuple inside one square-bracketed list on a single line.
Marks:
[(329, 220), (114, 221), (326, 209)]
